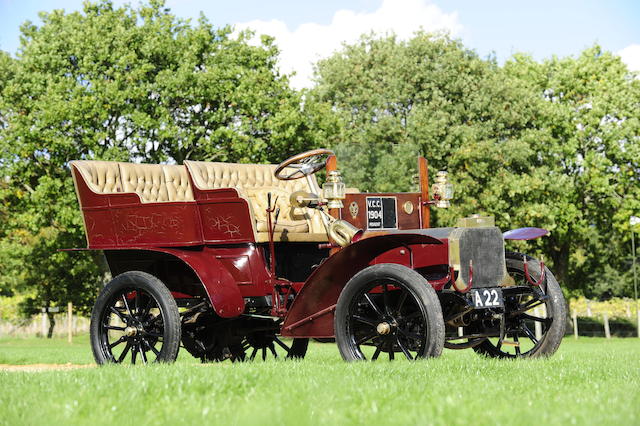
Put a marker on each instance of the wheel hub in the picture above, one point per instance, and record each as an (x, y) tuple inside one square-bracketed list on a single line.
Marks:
[(383, 328), (130, 331)]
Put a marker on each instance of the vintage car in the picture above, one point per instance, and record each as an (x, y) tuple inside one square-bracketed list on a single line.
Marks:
[(250, 261)]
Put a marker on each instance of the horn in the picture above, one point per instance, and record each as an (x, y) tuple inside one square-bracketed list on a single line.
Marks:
[(343, 233)]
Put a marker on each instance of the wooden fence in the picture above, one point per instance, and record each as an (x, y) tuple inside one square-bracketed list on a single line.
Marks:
[(603, 313), (67, 324)]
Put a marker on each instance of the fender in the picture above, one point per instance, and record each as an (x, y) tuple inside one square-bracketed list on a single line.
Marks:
[(220, 286), (525, 234), (311, 314)]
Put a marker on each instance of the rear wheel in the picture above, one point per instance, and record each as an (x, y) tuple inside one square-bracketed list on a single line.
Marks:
[(261, 345), (135, 319), (388, 309), (534, 319)]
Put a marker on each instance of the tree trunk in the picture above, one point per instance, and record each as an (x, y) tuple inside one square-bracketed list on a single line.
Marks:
[(52, 324), (560, 256)]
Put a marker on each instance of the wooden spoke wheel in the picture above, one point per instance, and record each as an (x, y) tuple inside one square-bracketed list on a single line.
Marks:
[(135, 319), (388, 309), (534, 319)]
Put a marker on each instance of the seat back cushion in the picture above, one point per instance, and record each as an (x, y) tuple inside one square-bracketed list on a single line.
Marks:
[(146, 180), (290, 218), (255, 181), (102, 177), (213, 175), (178, 184)]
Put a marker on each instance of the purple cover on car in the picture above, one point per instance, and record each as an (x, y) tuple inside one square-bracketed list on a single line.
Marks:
[(524, 234)]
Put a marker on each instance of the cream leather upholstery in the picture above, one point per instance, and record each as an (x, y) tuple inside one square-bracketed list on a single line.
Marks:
[(291, 219), (146, 180), (254, 182), (102, 177), (154, 183), (178, 183)]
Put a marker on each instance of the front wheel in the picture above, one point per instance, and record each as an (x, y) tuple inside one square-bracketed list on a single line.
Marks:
[(135, 319), (388, 308), (534, 318)]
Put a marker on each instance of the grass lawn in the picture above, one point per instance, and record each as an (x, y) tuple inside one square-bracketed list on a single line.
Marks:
[(589, 381)]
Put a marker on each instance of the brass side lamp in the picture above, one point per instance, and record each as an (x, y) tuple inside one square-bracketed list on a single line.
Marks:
[(442, 190), (333, 190)]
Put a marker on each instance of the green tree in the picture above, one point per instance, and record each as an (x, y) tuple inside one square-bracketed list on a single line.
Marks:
[(123, 84), (589, 159), (551, 144)]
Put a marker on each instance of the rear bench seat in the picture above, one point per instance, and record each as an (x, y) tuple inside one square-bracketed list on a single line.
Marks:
[(153, 183), (254, 182), (160, 183)]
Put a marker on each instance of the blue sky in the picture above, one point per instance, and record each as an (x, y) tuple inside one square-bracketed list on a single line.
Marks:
[(308, 30)]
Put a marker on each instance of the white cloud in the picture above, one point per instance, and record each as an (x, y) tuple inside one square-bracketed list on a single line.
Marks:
[(630, 55), (302, 47)]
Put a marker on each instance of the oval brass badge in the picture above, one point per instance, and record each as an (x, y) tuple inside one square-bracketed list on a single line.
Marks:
[(353, 209), (408, 207)]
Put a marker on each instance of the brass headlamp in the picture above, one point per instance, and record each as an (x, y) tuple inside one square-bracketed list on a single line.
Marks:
[(442, 190), (333, 190)]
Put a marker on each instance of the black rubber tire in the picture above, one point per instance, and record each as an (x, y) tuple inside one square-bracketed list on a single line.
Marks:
[(424, 297), (556, 305), (130, 281)]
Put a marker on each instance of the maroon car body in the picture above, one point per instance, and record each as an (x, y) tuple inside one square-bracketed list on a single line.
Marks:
[(209, 232)]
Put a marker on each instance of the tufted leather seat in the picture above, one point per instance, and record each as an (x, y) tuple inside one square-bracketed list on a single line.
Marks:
[(178, 183), (146, 180), (102, 177), (154, 183), (254, 182), (158, 183)]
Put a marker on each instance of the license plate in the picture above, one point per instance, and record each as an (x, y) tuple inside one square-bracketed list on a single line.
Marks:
[(487, 298)]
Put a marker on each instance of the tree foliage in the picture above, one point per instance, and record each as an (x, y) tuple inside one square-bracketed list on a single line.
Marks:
[(132, 85), (552, 144)]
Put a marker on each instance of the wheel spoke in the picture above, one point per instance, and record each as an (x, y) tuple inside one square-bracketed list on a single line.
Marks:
[(253, 354), (413, 315), (152, 334), (282, 345), (126, 304), (134, 353), (154, 319), (118, 313), (153, 348), (392, 354), (401, 300), (365, 338), (364, 320), (136, 302), (273, 350), (147, 307), (385, 299), (113, 327), (404, 350), (264, 354), (515, 339), (376, 353), (143, 353), (117, 342), (124, 353), (373, 305), (545, 321), (290, 175), (410, 335), (529, 334)]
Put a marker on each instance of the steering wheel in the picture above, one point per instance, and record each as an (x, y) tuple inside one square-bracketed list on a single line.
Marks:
[(304, 164)]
